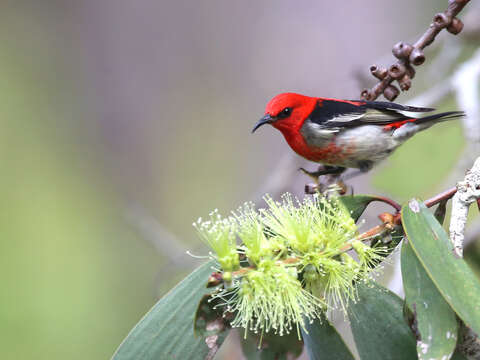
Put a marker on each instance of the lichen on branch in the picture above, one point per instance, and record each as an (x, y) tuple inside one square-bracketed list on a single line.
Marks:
[(468, 192)]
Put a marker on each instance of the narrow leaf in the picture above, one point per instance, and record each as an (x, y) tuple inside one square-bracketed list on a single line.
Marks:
[(378, 327), (323, 342), (166, 331), (451, 275), (435, 321)]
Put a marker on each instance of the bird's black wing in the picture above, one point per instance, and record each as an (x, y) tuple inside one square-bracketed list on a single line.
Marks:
[(385, 105), (331, 113)]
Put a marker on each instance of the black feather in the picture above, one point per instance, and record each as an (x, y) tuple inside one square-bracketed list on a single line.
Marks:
[(441, 116), (330, 113), (328, 110), (381, 105)]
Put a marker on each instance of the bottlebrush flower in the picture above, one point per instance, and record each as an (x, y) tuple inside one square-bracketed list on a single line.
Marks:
[(296, 262), (219, 234), (271, 298)]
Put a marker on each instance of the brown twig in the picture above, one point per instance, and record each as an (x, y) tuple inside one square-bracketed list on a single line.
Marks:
[(390, 202), (445, 195), (402, 71), (369, 234)]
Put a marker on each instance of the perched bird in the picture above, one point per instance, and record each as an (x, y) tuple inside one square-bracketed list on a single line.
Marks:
[(345, 133)]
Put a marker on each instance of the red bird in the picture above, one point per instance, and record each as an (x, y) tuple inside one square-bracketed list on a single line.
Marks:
[(345, 133)]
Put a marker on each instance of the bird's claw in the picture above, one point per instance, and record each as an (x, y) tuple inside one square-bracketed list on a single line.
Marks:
[(333, 184), (314, 175)]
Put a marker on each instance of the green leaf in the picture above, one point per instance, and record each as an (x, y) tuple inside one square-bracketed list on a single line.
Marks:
[(358, 203), (272, 347), (450, 274), (323, 342), (378, 327), (436, 324), (166, 331)]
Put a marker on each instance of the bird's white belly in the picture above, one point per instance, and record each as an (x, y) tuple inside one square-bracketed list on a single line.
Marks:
[(368, 142), (363, 146)]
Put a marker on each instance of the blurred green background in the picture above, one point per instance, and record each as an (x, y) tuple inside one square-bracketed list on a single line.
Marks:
[(122, 122)]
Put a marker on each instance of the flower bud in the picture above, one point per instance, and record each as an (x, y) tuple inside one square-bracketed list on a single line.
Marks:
[(417, 57), (455, 27), (402, 50), (396, 71), (405, 82), (378, 72), (391, 92), (441, 20)]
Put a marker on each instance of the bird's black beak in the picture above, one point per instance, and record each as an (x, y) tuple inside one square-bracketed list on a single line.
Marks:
[(267, 119)]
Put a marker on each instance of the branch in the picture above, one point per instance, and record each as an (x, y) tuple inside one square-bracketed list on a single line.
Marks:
[(402, 71), (445, 195), (468, 191)]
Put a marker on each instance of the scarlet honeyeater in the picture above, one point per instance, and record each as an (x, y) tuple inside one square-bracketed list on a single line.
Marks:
[(345, 133)]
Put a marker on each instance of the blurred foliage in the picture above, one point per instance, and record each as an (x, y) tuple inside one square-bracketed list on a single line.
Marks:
[(74, 277)]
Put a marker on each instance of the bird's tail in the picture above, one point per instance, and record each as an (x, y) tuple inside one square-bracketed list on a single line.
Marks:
[(439, 117)]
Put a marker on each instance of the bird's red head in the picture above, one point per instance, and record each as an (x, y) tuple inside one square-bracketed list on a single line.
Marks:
[(287, 112)]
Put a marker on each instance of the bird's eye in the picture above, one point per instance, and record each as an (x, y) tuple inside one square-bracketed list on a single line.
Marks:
[(285, 112)]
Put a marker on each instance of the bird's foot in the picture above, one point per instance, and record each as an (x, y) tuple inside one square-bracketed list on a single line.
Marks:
[(333, 181), (311, 174), (323, 170)]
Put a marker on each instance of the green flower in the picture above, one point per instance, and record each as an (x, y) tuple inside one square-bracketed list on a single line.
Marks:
[(251, 232), (368, 256), (331, 279), (313, 225), (219, 234), (271, 298), (297, 262)]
